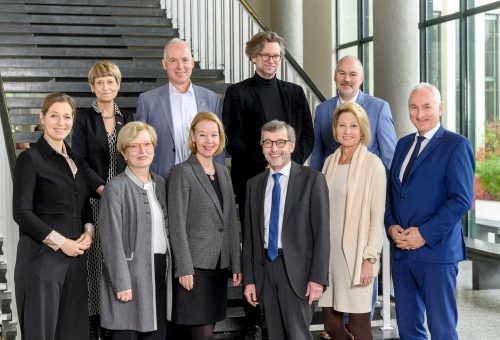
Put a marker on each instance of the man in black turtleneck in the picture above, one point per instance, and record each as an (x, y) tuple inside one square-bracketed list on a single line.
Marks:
[(250, 104)]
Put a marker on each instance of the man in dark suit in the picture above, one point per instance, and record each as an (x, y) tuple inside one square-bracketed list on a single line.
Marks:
[(430, 189), (250, 104), (171, 108), (286, 243)]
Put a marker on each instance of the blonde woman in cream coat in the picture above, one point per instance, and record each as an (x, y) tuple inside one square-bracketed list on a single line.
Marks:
[(357, 184)]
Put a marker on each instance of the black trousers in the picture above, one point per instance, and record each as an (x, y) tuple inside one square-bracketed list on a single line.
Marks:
[(51, 293), (161, 307)]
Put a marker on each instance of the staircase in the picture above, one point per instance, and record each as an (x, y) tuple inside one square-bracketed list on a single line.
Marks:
[(50, 45)]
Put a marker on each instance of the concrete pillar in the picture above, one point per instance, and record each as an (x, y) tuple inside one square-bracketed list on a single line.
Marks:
[(287, 20), (396, 56)]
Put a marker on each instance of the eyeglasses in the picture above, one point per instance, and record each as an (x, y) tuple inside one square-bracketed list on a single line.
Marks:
[(135, 147), (280, 143), (266, 57)]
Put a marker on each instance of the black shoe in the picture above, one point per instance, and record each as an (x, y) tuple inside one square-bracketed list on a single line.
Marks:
[(254, 333)]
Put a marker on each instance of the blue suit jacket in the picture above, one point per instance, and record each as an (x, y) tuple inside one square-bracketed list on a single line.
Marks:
[(153, 107), (436, 195), (381, 127)]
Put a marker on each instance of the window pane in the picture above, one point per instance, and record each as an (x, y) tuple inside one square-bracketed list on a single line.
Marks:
[(347, 51), (443, 68), (347, 21), (368, 67), (438, 8), (367, 18), (484, 120), (476, 3)]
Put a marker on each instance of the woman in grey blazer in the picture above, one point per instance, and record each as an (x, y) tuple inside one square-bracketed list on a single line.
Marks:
[(135, 291), (204, 230)]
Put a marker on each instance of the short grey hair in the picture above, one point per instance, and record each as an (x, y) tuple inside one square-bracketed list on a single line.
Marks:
[(175, 41), (274, 125), (356, 60), (423, 85)]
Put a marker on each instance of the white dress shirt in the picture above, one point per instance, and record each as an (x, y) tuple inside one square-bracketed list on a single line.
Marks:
[(184, 108), (159, 237), (285, 175), (424, 143)]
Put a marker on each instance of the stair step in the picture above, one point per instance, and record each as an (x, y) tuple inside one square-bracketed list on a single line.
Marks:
[(145, 64), (80, 87), (25, 73), (83, 53), (15, 40), (118, 3), (119, 30), (87, 20), (79, 10)]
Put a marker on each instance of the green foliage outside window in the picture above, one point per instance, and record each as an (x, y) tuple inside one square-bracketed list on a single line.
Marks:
[(488, 161)]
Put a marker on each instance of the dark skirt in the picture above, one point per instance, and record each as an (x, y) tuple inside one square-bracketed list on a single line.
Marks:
[(206, 303)]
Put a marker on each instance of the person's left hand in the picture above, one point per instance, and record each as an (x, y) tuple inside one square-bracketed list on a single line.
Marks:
[(314, 291), (236, 279), (414, 239), (85, 240), (366, 273)]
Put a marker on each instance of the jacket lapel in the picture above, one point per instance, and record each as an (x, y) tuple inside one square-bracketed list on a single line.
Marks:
[(285, 96), (205, 183), (427, 150), (291, 194), (167, 110), (261, 197)]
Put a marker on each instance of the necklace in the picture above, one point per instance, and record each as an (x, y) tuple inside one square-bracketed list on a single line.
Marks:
[(211, 176), (107, 117)]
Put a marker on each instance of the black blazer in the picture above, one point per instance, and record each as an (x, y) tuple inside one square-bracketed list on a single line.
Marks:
[(305, 234), (89, 140), (243, 117), (46, 195)]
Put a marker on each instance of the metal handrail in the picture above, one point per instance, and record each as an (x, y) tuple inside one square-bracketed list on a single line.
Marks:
[(217, 31), (7, 132)]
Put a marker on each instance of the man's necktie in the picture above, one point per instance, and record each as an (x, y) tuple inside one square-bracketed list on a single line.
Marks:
[(272, 245), (413, 156)]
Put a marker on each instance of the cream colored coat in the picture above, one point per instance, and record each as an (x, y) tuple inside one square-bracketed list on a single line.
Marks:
[(365, 206)]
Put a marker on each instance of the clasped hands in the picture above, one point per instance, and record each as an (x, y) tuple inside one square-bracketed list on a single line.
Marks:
[(406, 239), (77, 247)]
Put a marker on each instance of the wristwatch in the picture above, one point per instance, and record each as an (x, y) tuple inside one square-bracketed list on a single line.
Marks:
[(372, 260)]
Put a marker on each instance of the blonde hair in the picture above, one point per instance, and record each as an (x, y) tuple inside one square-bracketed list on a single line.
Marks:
[(130, 131), (210, 116), (104, 69), (58, 97), (360, 113)]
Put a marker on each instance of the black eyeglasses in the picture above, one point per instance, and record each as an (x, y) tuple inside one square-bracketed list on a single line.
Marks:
[(280, 143), (267, 57)]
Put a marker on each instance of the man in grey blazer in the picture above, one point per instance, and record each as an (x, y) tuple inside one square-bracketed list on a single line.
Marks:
[(171, 108), (286, 243)]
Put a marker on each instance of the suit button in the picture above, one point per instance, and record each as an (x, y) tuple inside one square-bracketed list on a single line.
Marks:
[(221, 230), (402, 198), (173, 150), (75, 216), (76, 193)]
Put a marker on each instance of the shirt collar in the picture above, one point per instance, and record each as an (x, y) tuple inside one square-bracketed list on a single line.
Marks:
[(429, 134), (285, 171), (174, 90), (353, 100)]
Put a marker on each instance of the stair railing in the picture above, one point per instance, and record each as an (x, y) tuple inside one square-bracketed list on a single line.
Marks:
[(9, 233), (217, 31)]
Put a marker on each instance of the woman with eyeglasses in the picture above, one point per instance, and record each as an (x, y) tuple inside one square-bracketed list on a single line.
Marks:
[(135, 285), (94, 138), (204, 229), (357, 184)]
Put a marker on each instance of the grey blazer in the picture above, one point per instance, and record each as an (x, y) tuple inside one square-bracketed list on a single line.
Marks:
[(153, 107), (305, 234), (127, 240), (200, 229)]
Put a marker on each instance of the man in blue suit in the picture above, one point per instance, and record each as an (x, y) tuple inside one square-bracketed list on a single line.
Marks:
[(430, 188), (348, 78), (171, 108)]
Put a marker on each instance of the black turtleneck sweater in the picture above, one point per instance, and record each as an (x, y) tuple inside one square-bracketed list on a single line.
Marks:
[(270, 98)]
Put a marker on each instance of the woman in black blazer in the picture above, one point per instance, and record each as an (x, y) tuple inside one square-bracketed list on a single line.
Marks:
[(94, 138), (50, 206)]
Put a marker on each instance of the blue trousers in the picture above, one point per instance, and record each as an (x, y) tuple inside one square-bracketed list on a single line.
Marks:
[(421, 287)]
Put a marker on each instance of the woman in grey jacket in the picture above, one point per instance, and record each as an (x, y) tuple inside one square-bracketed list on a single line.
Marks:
[(204, 230), (135, 292)]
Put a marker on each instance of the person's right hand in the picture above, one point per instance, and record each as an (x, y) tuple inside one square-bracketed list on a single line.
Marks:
[(187, 281), (72, 248), (100, 190), (124, 296), (250, 294)]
